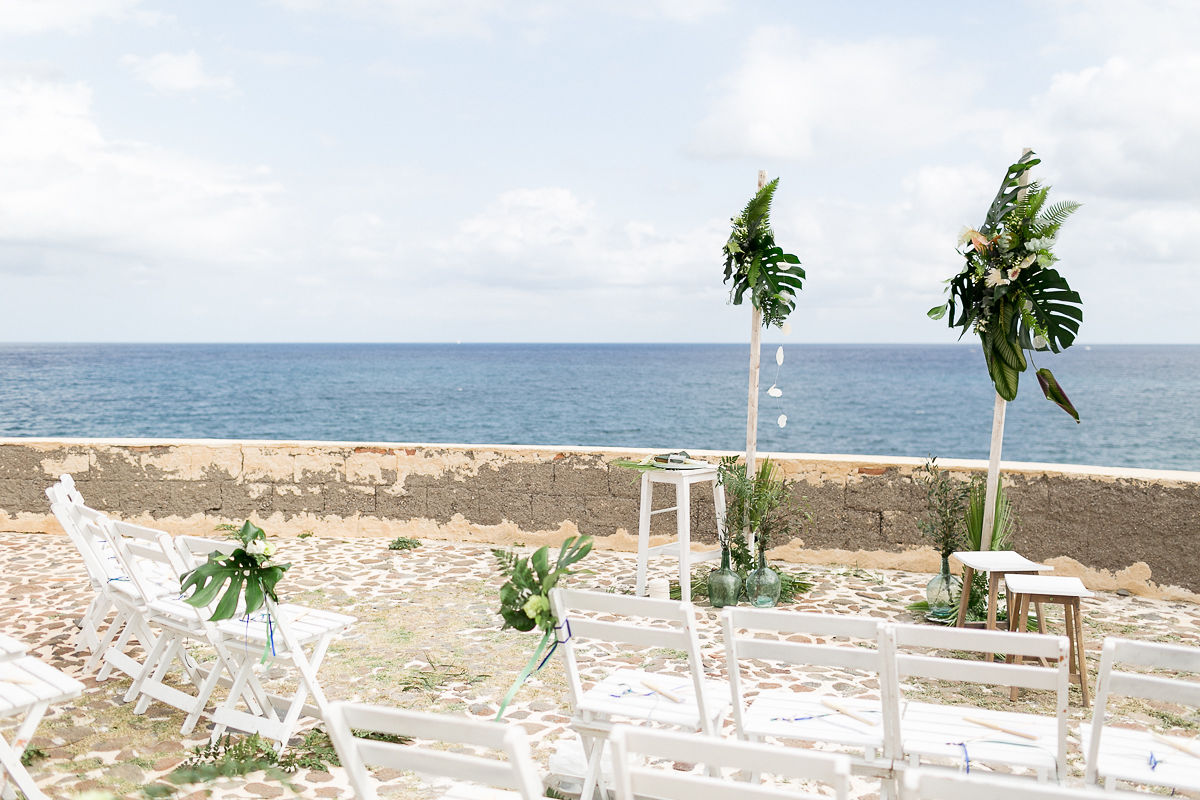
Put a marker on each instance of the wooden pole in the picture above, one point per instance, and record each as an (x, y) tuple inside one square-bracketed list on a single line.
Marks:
[(998, 409), (752, 397)]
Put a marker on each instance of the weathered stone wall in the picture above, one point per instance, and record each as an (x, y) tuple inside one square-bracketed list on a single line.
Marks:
[(864, 509)]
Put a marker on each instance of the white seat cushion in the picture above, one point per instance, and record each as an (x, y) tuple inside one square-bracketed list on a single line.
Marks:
[(802, 715), (624, 693), (935, 731), (1125, 756)]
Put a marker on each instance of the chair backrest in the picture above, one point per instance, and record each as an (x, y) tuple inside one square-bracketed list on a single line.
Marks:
[(64, 491), (347, 721), (1151, 655), (634, 778), (647, 623), (85, 529), (149, 557), (803, 639), (194, 550), (941, 784)]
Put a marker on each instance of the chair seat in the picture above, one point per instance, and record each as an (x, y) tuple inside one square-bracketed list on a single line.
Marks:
[(624, 693), (10, 648), (305, 624), (942, 732), (26, 682), (802, 715), (1125, 756)]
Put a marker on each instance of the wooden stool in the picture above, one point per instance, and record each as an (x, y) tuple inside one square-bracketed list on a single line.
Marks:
[(682, 479), (994, 563), (1067, 592)]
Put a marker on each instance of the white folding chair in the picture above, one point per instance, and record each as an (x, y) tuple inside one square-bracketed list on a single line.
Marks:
[(635, 779), (10, 648), (688, 701), (965, 735), (937, 784), (516, 775), (865, 727), (144, 552), (1138, 756), (27, 688)]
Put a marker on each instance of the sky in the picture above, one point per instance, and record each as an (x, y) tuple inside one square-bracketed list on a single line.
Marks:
[(525, 171)]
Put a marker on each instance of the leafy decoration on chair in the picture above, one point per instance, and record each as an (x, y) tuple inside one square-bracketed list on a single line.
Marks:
[(754, 264), (245, 574), (1009, 292)]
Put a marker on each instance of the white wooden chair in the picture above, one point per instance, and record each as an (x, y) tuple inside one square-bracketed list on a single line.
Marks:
[(688, 701), (27, 688), (516, 776), (967, 735), (182, 628), (937, 784), (1137, 756), (865, 727), (635, 779)]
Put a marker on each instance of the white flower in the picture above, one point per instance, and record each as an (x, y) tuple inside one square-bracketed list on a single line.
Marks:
[(1040, 343), (257, 547), (779, 356), (1044, 243), (1027, 304), (775, 391), (1027, 261), (269, 549), (1045, 260), (787, 328), (782, 420), (964, 235), (994, 278)]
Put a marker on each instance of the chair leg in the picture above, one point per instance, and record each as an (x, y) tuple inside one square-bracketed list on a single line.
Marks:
[(683, 528), (643, 536), (593, 749), (964, 599), (1083, 676)]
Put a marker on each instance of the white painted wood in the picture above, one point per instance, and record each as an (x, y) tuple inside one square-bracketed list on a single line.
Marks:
[(1135, 756), (27, 688), (962, 735), (1060, 585), (682, 481), (516, 771), (999, 561), (867, 726), (689, 700), (752, 394), (635, 779), (998, 409), (931, 784)]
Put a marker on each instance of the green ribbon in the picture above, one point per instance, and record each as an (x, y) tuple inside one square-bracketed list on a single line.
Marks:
[(525, 673)]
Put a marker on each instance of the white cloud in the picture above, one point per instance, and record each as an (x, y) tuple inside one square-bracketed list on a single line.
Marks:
[(792, 98), (176, 72), (40, 16), (75, 200)]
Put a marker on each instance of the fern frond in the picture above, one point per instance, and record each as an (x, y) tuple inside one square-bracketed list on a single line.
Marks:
[(1054, 216)]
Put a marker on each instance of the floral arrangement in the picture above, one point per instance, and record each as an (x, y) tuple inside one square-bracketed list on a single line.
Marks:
[(245, 574), (525, 599), (755, 264), (1009, 292)]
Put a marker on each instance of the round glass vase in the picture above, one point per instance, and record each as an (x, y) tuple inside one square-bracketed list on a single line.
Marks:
[(763, 585), (941, 593), (724, 585)]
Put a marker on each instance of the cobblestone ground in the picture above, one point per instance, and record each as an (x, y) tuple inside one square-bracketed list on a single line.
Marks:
[(428, 637)]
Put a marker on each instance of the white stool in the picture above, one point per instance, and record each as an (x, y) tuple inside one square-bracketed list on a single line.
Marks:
[(682, 479), (994, 563)]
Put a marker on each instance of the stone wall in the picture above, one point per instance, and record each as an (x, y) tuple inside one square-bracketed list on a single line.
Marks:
[(864, 509)]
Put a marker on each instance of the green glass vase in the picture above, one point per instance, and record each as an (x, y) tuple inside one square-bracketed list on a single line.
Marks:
[(763, 585), (724, 585), (942, 592)]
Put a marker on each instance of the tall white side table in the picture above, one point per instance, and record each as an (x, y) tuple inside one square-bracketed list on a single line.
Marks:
[(682, 480)]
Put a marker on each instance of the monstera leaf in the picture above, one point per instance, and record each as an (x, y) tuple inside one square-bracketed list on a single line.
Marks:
[(754, 264), (1056, 307), (242, 576)]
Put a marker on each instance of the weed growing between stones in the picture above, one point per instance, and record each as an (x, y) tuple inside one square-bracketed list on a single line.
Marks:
[(404, 543), (436, 675)]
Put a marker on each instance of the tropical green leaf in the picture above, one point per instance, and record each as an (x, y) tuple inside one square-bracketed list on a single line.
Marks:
[(1054, 392), (937, 312), (754, 264), (1056, 307)]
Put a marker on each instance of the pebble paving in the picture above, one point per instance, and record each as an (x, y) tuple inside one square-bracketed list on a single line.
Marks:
[(428, 638)]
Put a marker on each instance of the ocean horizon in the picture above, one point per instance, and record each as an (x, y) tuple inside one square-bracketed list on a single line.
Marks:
[(1139, 404)]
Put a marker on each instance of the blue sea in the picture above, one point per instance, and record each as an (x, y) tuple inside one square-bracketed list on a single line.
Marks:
[(1140, 405)]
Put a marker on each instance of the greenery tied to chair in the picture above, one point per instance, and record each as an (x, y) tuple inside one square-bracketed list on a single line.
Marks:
[(247, 574)]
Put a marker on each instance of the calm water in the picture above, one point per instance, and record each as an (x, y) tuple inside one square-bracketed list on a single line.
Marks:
[(1140, 404)]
